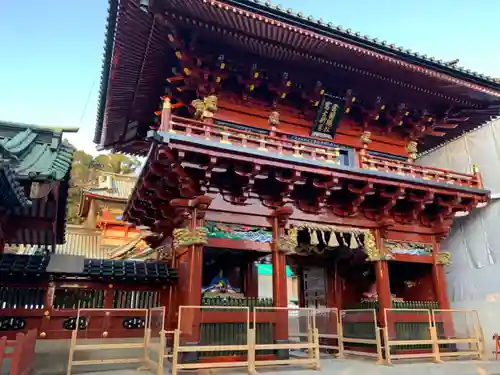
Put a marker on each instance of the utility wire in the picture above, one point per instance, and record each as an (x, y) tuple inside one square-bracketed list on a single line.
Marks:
[(86, 103)]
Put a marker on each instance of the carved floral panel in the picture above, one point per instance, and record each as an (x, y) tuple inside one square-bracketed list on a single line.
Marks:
[(408, 248), (239, 232)]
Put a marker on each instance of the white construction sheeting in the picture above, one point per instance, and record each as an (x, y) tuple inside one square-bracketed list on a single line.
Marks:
[(480, 147), (473, 278)]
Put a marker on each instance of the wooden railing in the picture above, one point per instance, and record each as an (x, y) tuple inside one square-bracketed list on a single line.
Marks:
[(275, 141), (20, 352), (228, 326), (379, 163), (312, 148), (407, 324)]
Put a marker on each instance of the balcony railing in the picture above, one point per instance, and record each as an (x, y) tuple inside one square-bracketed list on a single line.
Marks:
[(274, 142), (312, 148), (379, 163)]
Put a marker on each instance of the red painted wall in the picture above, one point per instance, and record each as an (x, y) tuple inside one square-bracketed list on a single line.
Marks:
[(348, 133)]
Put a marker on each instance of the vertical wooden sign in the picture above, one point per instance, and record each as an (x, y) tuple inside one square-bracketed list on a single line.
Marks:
[(328, 117)]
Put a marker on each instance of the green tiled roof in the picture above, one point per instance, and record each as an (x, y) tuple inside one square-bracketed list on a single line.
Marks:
[(32, 154), (37, 154)]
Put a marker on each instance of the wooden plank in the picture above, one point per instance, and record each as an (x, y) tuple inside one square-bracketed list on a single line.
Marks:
[(284, 346), (211, 348), (106, 361), (109, 346), (410, 342), (459, 354), (362, 354), (414, 355), (305, 361), (360, 341), (197, 366)]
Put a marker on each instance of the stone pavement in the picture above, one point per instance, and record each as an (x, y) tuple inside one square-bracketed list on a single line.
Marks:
[(349, 367)]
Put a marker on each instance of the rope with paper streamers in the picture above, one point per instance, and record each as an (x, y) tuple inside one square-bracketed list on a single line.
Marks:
[(328, 235)]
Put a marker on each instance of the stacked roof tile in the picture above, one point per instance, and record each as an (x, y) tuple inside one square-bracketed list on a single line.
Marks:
[(33, 158), (29, 267)]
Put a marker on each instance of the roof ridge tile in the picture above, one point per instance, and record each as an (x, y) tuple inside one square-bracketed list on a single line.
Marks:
[(374, 40)]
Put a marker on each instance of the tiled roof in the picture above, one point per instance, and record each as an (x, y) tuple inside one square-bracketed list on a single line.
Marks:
[(259, 26), (81, 241), (109, 40), (277, 12), (114, 186), (33, 154), (20, 268), (86, 243), (127, 271), (11, 192), (30, 153)]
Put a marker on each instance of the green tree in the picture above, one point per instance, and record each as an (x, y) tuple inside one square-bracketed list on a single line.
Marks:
[(117, 163)]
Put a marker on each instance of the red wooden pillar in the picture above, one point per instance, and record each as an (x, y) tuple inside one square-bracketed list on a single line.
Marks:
[(382, 284), (438, 278), (190, 268), (251, 281), (279, 219), (168, 297), (439, 283), (333, 300), (383, 290)]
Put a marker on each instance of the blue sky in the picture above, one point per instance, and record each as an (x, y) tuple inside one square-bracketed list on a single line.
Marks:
[(51, 51)]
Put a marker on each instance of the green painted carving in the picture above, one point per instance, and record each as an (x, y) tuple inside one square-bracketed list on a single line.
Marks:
[(408, 248), (239, 232)]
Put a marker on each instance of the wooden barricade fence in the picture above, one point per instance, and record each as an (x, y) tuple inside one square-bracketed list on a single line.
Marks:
[(294, 330), (358, 327), (297, 333), (327, 323), (156, 351), (460, 331), (20, 351), (187, 345), (108, 324), (395, 338)]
